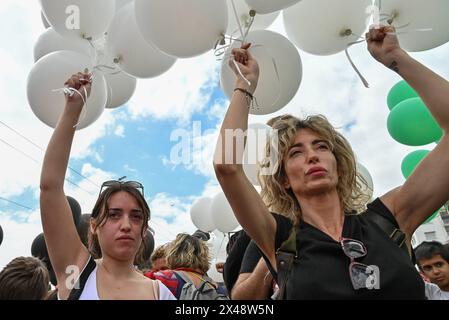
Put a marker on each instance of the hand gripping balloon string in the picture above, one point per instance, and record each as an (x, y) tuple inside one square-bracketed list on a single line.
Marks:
[(365, 82), (254, 104), (71, 91), (238, 68)]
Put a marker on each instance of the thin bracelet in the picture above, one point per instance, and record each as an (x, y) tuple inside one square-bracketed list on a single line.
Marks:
[(246, 92)]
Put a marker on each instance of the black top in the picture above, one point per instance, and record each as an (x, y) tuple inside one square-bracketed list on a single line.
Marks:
[(322, 268), (234, 259), (251, 258)]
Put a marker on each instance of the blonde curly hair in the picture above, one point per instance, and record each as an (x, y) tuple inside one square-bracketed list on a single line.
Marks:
[(187, 251), (284, 201)]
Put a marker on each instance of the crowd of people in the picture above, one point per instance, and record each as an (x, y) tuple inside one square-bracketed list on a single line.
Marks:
[(311, 234)]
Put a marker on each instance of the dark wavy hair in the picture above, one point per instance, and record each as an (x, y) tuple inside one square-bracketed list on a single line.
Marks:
[(99, 214)]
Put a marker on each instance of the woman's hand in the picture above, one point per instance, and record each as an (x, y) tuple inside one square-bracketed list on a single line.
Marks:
[(79, 81), (383, 44), (248, 66)]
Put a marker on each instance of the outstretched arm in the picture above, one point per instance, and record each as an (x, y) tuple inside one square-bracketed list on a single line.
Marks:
[(427, 189), (246, 203), (64, 245)]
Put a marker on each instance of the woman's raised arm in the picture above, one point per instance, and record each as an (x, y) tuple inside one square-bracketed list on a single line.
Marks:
[(64, 245)]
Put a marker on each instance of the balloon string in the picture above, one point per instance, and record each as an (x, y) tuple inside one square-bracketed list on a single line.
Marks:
[(248, 28), (219, 248), (70, 92), (222, 50), (237, 19), (240, 73), (362, 78), (114, 70), (364, 81)]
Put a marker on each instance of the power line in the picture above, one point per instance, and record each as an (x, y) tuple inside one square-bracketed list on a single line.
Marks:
[(16, 203), (38, 162), (40, 148), (159, 227)]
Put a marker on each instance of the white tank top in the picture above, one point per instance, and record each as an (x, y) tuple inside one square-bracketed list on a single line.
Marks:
[(90, 291)]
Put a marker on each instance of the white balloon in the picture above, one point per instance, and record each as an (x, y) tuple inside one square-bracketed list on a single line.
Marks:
[(325, 27), (182, 28), (120, 88), (136, 56), (368, 187), (51, 41), (258, 135), (201, 215), (280, 71), (422, 25), (44, 21), (79, 18), (267, 6), (222, 214), (50, 73), (261, 21)]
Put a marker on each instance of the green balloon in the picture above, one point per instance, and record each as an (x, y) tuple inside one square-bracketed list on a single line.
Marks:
[(411, 161), (401, 91), (412, 124)]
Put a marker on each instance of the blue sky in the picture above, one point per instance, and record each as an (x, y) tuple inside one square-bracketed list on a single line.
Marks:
[(134, 140)]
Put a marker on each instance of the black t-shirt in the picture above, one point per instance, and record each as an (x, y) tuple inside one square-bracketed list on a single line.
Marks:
[(251, 258), (322, 268), (234, 260)]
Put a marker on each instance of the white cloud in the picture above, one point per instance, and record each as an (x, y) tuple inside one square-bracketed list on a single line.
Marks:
[(18, 237), (120, 131), (130, 169), (166, 208), (184, 89)]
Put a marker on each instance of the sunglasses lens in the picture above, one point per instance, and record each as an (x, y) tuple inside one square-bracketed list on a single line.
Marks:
[(133, 184), (353, 248)]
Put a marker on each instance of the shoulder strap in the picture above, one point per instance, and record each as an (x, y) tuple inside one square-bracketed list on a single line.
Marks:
[(204, 280), (75, 294), (285, 256), (156, 289), (395, 234)]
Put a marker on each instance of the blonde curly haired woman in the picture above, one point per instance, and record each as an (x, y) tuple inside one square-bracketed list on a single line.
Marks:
[(339, 254)]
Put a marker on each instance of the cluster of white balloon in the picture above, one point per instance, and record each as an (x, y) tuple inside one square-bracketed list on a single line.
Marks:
[(123, 40)]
